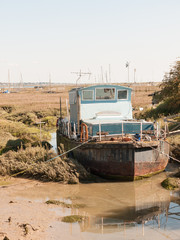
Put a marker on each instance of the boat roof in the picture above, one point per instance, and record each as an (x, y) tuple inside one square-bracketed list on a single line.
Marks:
[(100, 86)]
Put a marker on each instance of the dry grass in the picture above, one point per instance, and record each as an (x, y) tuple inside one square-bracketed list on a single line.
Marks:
[(29, 106), (175, 146), (140, 96), (16, 134), (33, 100), (20, 130), (33, 162)]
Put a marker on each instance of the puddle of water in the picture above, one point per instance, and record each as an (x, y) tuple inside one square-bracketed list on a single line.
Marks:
[(120, 210)]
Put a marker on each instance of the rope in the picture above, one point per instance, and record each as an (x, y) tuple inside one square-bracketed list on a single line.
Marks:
[(60, 155), (171, 144), (16, 174), (68, 151), (167, 155)]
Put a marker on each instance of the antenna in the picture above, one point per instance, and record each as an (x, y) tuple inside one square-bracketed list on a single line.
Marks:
[(134, 75), (109, 73), (80, 74), (106, 77), (102, 74), (127, 66), (21, 81)]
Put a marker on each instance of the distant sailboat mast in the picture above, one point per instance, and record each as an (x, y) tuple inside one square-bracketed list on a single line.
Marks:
[(9, 84)]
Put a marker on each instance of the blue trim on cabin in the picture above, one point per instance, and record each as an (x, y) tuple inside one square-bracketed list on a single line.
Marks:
[(116, 128), (117, 87)]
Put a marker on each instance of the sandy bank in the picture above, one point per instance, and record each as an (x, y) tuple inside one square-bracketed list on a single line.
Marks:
[(24, 219)]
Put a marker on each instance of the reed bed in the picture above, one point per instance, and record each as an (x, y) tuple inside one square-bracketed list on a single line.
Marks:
[(34, 162)]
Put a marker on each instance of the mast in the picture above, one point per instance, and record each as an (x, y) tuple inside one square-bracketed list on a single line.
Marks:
[(49, 82), (9, 84)]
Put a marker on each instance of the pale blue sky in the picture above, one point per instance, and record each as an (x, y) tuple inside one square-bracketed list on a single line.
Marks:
[(38, 37)]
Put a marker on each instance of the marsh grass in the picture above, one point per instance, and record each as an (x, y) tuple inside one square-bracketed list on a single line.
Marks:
[(33, 161), (50, 121), (170, 183), (32, 100), (73, 218), (48, 116), (63, 204), (20, 130), (174, 146)]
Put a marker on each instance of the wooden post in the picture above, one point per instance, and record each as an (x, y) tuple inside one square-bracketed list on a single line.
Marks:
[(78, 113), (60, 110), (40, 129), (67, 108), (102, 227), (157, 130)]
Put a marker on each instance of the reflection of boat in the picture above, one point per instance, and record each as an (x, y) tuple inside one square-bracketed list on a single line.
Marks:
[(110, 207), (117, 146), (133, 203)]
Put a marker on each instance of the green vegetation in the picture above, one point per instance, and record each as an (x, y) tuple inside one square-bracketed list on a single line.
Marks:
[(50, 121), (73, 218), (32, 117), (147, 175), (170, 183), (19, 128), (168, 97), (170, 85), (67, 205), (16, 134)]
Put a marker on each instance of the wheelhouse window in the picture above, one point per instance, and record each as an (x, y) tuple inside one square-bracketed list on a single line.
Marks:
[(122, 94), (87, 95), (105, 93)]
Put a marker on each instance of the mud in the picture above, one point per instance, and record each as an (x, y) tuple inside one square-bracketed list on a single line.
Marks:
[(128, 210)]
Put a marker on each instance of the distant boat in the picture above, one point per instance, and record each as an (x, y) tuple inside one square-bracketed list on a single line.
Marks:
[(114, 144), (6, 91)]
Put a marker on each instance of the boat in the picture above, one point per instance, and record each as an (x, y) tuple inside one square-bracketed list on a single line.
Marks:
[(102, 135)]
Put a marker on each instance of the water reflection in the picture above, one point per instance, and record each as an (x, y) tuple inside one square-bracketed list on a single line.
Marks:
[(114, 207)]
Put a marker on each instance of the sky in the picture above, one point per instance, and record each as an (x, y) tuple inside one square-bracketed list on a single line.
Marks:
[(52, 39)]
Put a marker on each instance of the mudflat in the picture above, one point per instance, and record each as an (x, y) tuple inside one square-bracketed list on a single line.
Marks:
[(111, 210), (22, 218)]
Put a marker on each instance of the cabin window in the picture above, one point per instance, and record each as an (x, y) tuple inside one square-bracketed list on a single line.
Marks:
[(87, 95), (122, 94), (105, 93)]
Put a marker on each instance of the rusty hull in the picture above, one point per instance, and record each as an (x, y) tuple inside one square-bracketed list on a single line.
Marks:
[(117, 160)]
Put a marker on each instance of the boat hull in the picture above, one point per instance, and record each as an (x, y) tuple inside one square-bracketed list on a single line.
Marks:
[(118, 160)]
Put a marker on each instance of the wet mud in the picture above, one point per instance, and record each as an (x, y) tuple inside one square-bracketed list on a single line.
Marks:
[(112, 210)]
